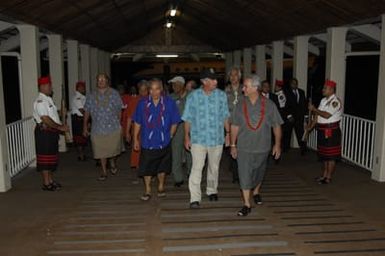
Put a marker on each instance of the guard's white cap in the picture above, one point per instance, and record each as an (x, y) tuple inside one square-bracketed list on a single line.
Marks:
[(179, 79)]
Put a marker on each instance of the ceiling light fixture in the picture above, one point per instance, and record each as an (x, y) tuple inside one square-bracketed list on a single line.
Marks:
[(172, 12), (167, 55), (169, 24)]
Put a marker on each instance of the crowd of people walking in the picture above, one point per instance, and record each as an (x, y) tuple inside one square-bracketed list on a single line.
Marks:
[(188, 131)]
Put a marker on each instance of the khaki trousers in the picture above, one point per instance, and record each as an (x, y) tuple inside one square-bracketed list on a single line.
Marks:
[(199, 154)]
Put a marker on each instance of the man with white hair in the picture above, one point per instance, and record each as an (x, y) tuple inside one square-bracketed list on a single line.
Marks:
[(234, 95), (179, 153), (206, 118), (252, 121)]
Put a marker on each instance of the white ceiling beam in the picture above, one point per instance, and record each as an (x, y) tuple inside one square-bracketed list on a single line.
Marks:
[(312, 48), (10, 43), (369, 32), (323, 38), (5, 25)]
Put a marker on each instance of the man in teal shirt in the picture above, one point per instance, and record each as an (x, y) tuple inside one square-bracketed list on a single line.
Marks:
[(206, 117)]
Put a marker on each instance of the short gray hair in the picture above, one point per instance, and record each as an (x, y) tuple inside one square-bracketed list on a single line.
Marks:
[(255, 80), (238, 69)]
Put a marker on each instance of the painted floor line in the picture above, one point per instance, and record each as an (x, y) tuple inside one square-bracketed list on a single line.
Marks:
[(206, 247)]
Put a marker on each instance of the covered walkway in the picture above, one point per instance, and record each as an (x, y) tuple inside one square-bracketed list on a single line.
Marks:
[(91, 218)]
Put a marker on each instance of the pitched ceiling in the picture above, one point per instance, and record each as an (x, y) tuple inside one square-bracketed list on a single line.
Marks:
[(223, 24)]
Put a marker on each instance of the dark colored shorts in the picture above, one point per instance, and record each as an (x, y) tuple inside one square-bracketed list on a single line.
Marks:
[(154, 161)]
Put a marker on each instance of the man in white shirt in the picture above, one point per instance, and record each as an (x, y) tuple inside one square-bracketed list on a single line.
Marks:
[(47, 134), (328, 117), (77, 112)]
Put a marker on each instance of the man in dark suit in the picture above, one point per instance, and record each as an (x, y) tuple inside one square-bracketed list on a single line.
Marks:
[(297, 109), (266, 91)]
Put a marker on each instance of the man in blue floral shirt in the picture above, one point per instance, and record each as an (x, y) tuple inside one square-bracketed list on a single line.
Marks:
[(206, 117), (155, 120), (104, 106)]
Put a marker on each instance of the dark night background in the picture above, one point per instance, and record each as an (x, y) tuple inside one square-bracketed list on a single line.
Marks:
[(360, 96)]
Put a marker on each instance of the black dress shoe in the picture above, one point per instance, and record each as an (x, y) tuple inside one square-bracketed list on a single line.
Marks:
[(244, 211), (257, 199), (213, 197), (49, 187), (179, 184), (56, 184), (194, 205)]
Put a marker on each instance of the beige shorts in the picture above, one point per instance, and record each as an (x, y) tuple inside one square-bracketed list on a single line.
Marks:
[(107, 145)]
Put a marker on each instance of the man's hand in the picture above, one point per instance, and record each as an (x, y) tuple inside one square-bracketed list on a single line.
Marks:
[(187, 143), (311, 107), (227, 140), (234, 152), (136, 145), (276, 151), (128, 137), (85, 132), (64, 128)]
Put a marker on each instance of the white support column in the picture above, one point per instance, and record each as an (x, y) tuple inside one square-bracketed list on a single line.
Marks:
[(107, 65), (56, 66), (335, 58), (30, 66), (73, 67), (85, 65), (260, 61), (277, 62), (5, 178), (237, 58), (247, 58), (94, 67), (378, 173), (56, 71), (301, 56), (228, 62), (101, 61)]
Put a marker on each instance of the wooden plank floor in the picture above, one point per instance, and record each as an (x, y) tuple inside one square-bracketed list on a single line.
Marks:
[(295, 219)]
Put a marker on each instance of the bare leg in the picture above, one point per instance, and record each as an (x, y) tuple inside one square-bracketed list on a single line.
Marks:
[(331, 169), (147, 185), (257, 189), (113, 162), (246, 197), (46, 177), (103, 162), (81, 152), (50, 175), (325, 171), (161, 180)]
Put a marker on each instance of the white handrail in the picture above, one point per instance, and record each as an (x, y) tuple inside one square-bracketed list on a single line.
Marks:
[(21, 144), (357, 140)]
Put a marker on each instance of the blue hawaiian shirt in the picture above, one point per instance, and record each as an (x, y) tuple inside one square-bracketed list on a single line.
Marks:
[(156, 121), (206, 115), (104, 110)]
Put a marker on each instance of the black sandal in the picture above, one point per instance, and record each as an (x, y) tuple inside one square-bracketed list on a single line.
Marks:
[(114, 171), (102, 178), (49, 187), (244, 211), (56, 184), (161, 193), (145, 197), (325, 181), (319, 178)]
